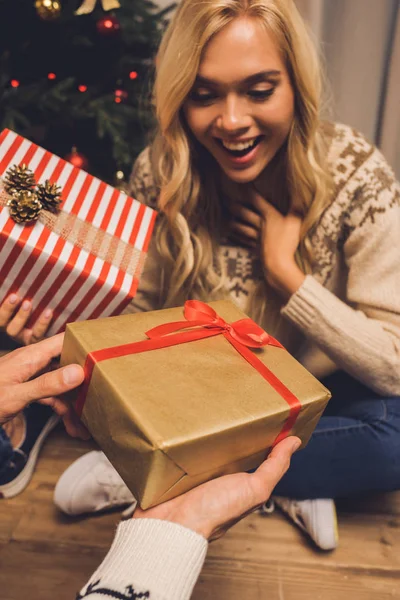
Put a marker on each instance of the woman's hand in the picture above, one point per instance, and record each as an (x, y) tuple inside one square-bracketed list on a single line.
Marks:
[(213, 507), (14, 315), (257, 223)]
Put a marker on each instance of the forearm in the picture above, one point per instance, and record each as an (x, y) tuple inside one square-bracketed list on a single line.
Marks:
[(356, 343), (148, 555)]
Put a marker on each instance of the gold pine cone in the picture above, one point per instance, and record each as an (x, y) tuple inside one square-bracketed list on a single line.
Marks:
[(19, 178), (24, 206), (49, 195)]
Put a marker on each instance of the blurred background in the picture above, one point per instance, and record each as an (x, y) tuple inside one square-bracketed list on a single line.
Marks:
[(360, 45), (75, 75)]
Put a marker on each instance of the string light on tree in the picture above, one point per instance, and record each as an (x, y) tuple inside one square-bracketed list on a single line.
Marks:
[(108, 25), (119, 181), (120, 96), (48, 10), (77, 159), (58, 55)]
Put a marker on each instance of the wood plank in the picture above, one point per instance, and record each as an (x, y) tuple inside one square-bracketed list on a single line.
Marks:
[(262, 557), (367, 541), (280, 581), (48, 573), (57, 572), (59, 451)]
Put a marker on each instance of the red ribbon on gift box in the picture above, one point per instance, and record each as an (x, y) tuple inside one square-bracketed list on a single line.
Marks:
[(243, 335)]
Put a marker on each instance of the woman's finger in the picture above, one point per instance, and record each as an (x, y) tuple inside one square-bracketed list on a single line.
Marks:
[(246, 215), (242, 230), (8, 308), (258, 203), (236, 240), (18, 322), (41, 326)]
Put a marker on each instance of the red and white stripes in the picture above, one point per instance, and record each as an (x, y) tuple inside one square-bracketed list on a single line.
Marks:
[(51, 271)]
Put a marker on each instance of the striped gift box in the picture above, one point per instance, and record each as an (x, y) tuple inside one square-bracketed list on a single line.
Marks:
[(84, 262)]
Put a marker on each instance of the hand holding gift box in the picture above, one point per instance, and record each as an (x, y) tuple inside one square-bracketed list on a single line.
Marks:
[(83, 261), (193, 400)]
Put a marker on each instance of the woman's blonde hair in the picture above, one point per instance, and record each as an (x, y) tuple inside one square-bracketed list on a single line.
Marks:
[(188, 236)]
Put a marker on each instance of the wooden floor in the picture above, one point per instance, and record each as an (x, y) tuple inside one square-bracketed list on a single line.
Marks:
[(44, 555)]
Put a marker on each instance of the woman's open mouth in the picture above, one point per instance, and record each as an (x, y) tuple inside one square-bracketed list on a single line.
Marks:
[(241, 153), (239, 149)]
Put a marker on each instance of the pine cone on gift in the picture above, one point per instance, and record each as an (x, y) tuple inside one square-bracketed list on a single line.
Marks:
[(19, 178), (49, 195), (24, 206)]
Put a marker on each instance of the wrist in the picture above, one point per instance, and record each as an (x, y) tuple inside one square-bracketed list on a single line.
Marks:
[(185, 518), (285, 278)]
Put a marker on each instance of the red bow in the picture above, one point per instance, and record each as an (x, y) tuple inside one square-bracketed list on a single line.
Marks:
[(197, 313)]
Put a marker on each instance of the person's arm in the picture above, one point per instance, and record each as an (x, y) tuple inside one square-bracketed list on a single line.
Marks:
[(149, 556), (361, 335), (160, 552)]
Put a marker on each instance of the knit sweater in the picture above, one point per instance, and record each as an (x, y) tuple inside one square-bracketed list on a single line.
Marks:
[(149, 559), (346, 314)]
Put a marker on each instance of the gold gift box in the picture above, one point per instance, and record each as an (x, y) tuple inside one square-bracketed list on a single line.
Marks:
[(172, 418)]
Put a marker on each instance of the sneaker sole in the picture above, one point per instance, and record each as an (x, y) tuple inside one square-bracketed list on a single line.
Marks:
[(15, 487)]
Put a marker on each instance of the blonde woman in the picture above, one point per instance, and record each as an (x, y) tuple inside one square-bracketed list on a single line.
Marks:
[(294, 219)]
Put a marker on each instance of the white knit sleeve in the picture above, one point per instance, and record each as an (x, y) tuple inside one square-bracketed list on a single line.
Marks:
[(149, 559)]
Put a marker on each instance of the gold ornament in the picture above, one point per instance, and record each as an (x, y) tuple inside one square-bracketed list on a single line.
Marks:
[(24, 206), (87, 6), (19, 178), (48, 10), (49, 195)]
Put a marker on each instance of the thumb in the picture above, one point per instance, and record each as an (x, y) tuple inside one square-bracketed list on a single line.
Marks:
[(50, 384), (270, 472)]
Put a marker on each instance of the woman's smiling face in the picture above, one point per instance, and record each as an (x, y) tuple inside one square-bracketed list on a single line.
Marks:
[(241, 106)]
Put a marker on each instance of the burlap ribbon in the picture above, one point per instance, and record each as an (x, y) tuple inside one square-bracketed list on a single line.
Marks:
[(87, 237)]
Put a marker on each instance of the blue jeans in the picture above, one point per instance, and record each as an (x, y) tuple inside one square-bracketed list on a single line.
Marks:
[(6, 450), (355, 447)]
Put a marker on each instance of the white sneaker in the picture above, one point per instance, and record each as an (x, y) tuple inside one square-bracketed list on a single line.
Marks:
[(315, 517), (89, 485)]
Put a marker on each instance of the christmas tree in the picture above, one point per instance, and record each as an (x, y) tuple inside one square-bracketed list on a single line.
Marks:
[(75, 80)]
